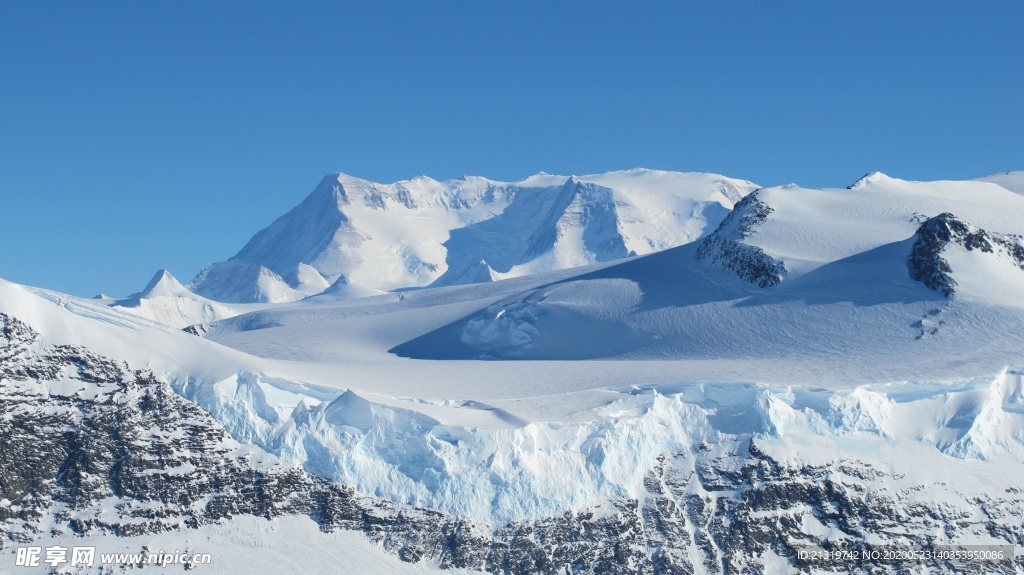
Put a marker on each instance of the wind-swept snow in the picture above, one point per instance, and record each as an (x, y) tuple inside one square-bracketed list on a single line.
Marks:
[(810, 228), (518, 456), (116, 333)]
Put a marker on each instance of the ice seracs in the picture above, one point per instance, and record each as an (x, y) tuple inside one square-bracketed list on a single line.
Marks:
[(848, 401), (728, 419)]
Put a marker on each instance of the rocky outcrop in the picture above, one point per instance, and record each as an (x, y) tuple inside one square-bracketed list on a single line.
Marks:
[(725, 248), (926, 263)]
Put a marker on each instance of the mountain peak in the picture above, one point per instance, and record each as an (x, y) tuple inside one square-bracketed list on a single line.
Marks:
[(869, 178), (929, 260), (163, 283), (332, 190), (470, 270), (383, 237)]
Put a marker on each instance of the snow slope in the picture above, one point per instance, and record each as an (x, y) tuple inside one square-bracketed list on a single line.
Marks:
[(1013, 181), (410, 233), (847, 343), (806, 229), (116, 333), (792, 277), (534, 450)]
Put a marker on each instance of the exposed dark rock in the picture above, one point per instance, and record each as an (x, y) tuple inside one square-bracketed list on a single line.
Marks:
[(725, 248), (126, 441), (926, 263), (199, 329)]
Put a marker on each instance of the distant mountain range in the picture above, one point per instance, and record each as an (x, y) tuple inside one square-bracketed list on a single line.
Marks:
[(362, 237)]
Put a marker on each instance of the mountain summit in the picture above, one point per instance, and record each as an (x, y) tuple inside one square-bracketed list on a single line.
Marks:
[(417, 232)]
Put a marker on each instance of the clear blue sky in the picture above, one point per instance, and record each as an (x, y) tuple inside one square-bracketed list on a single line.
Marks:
[(141, 135)]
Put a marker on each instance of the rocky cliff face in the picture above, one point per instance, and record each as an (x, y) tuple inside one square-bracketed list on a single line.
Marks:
[(725, 248), (91, 446), (927, 264)]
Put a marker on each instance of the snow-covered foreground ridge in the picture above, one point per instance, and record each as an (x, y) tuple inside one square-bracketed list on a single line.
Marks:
[(95, 449), (476, 460)]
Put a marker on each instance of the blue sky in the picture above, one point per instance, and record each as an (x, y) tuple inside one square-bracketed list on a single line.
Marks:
[(142, 135)]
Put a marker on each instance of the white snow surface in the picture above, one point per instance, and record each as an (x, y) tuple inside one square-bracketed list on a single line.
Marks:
[(593, 373), (408, 234), (810, 228), (1013, 181)]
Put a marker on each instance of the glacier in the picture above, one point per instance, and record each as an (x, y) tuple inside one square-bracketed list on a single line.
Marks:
[(508, 470)]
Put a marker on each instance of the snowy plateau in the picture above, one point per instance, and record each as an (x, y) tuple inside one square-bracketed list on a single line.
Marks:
[(630, 372)]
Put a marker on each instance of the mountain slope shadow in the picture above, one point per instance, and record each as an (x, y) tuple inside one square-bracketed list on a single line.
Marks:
[(671, 278), (874, 277), (543, 323)]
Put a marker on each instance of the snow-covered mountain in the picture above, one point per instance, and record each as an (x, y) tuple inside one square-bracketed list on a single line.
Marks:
[(822, 368), (799, 230), (374, 237), (856, 275)]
